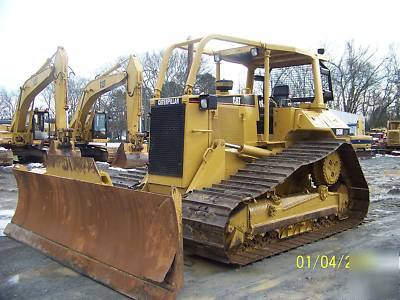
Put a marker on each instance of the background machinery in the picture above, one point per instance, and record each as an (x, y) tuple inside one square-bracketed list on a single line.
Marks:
[(259, 173), (29, 133), (393, 136), (6, 157), (361, 142), (378, 139), (89, 126)]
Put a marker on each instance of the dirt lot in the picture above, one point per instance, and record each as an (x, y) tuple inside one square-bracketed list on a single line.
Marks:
[(27, 274)]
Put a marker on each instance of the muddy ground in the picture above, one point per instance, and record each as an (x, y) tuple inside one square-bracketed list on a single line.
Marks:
[(27, 274)]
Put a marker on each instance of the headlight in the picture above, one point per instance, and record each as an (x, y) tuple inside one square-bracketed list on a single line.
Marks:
[(341, 131), (203, 103), (254, 52), (217, 58)]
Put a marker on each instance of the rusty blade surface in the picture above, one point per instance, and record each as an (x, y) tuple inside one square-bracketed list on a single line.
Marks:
[(128, 160), (126, 239)]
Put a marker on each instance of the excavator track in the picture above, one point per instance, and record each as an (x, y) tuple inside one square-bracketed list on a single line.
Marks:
[(207, 212)]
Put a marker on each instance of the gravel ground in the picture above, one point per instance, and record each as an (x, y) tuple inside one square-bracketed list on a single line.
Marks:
[(27, 274)]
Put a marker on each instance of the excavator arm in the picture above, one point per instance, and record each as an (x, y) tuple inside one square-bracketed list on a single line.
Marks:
[(54, 69), (132, 78), (134, 98), (133, 153), (80, 122)]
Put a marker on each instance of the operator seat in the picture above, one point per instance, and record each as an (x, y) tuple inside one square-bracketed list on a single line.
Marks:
[(280, 94), (261, 110)]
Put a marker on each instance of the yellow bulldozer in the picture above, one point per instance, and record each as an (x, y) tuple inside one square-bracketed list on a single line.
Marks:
[(393, 136), (234, 176)]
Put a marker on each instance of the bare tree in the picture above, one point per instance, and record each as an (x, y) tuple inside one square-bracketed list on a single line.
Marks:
[(47, 95), (384, 102), (355, 75), (8, 103), (175, 77), (75, 88)]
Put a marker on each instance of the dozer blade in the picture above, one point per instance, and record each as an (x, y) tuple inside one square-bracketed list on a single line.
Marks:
[(128, 240), (127, 159)]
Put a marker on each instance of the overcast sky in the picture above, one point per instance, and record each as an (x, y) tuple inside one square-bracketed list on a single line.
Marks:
[(95, 33)]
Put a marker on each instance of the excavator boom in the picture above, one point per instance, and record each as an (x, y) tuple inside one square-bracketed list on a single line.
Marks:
[(82, 121), (21, 137), (51, 71), (133, 153)]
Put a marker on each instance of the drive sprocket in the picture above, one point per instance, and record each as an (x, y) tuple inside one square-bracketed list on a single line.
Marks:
[(327, 170)]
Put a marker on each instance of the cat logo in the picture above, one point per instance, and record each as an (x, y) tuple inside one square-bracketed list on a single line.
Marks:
[(169, 101), (236, 100)]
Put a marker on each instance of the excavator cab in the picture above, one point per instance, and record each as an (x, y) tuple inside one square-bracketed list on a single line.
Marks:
[(99, 127), (40, 125)]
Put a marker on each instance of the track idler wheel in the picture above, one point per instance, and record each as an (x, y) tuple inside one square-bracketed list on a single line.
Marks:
[(327, 170)]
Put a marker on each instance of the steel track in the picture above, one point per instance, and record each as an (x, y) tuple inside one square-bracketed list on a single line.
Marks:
[(206, 212)]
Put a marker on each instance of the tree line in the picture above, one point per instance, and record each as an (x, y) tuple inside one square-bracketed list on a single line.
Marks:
[(367, 83), (363, 81)]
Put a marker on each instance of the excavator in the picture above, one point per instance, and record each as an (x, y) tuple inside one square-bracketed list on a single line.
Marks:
[(233, 176), (29, 133), (90, 126)]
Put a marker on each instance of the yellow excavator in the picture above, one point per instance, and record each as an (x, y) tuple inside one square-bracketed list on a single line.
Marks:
[(29, 133), (236, 177), (89, 126)]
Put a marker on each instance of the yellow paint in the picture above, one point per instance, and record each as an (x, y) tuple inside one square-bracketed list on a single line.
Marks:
[(54, 70)]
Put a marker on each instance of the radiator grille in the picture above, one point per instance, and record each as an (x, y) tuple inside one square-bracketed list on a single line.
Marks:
[(167, 127)]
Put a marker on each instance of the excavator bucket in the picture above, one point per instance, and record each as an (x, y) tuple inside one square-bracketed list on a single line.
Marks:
[(128, 240), (56, 150), (126, 158), (112, 152)]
